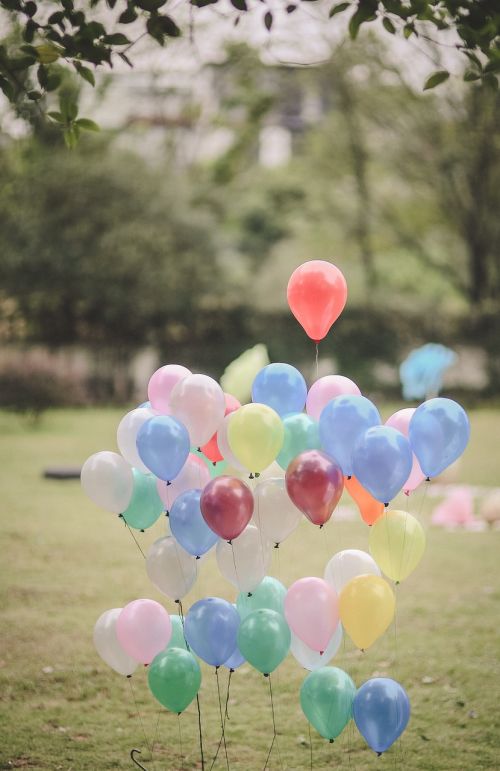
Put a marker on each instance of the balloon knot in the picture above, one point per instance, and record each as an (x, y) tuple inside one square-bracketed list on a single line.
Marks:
[(266, 674), (427, 479), (379, 754), (217, 668), (321, 653), (249, 594), (362, 650), (250, 476), (407, 493), (120, 516), (146, 665), (349, 476), (129, 676), (198, 449), (231, 671), (276, 546), (386, 505), (230, 542), (321, 527), (214, 463), (257, 474), (167, 514), (331, 741), (142, 530), (168, 484), (178, 602), (197, 556), (396, 583)]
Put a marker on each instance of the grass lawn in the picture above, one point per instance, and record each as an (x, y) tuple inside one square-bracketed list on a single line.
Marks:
[(64, 562)]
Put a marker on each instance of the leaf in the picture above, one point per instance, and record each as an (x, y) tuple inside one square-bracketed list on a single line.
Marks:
[(34, 95), (365, 12), (150, 5), (168, 26), (116, 39), (128, 16), (57, 116), (85, 73), (491, 80), (47, 53), (125, 58), (471, 75), (69, 108), (435, 79), (7, 88), (473, 58), (291, 8), (57, 18), (87, 125), (408, 31), (30, 8), (70, 137), (203, 3), (338, 9), (493, 66), (240, 5), (388, 25), (268, 21), (53, 81)]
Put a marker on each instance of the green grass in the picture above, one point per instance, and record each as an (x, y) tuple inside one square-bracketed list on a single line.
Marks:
[(64, 562)]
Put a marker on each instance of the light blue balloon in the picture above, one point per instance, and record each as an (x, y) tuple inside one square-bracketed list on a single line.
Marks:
[(382, 461), (281, 387), (163, 446), (422, 371), (301, 433), (341, 424), (211, 630), (381, 711), (235, 660), (177, 639), (269, 595), (188, 526), (438, 433)]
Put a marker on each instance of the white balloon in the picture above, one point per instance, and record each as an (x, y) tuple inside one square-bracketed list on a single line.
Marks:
[(127, 434), (346, 565), (224, 448), (198, 402), (107, 645), (171, 569), (107, 479), (246, 560), (274, 512), (310, 659)]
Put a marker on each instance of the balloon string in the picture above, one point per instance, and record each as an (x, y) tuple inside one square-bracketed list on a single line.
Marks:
[(222, 723), (235, 568), (129, 680), (275, 733), (317, 360), (200, 734), (310, 745), (135, 539), (226, 717), (155, 736), (180, 742)]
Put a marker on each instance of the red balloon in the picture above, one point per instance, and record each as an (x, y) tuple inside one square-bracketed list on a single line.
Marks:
[(211, 449), (317, 294), (314, 483), (227, 506)]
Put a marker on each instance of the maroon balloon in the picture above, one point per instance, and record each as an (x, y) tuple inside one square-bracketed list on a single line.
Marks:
[(227, 506), (314, 482)]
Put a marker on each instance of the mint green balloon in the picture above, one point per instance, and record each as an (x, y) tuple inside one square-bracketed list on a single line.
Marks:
[(301, 433), (145, 504), (174, 677), (177, 639), (326, 698), (269, 594), (264, 639)]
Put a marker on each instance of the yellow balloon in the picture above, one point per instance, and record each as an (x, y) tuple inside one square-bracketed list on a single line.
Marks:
[(397, 543), (366, 605), (255, 436)]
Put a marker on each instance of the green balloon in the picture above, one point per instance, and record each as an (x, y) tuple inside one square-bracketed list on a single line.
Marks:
[(301, 433), (269, 594), (174, 678), (145, 505), (264, 639), (177, 640), (326, 698)]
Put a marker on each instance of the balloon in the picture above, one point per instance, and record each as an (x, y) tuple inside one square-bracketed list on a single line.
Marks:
[(161, 384), (342, 422), (439, 432), (143, 629), (397, 543), (211, 449), (193, 475), (223, 444), (317, 294), (235, 660), (400, 420), (369, 508), (381, 711), (270, 594), (240, 373), (188, 526), (281, 387), (314, 483), (312, 660), (326, 698), (245, 561), (126, 436), (275, 514), (177, 640), (422, 371), (211, 629), (107, 645), (311, 609), (457, 509), (198, 401), (171, 569), (255, 435), (174, 679), (301, 433), (264, 639), (108, 481), (366, 607), (163, 446), (227, 506), (145, 504), (346, 565), (327, 388), (382, 462)]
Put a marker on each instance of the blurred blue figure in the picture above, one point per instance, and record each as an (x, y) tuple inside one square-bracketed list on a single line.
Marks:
[(422, 371)]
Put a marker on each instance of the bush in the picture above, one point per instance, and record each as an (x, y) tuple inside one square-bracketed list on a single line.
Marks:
[(32, 389)]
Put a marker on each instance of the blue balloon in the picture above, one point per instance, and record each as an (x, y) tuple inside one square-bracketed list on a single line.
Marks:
[(281, 387), (382, 461), (439, 432), (342, 422), (188, 526), (381, 711), (163, 446), (235, 660), (422, 371), (301, 433), (211, 630)]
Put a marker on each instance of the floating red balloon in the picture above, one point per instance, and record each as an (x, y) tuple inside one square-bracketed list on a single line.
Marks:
[(211, 449), (227, 506), (317, 294), (314, 483)]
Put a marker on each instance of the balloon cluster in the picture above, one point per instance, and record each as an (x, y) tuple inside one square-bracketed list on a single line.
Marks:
[(197, 453)]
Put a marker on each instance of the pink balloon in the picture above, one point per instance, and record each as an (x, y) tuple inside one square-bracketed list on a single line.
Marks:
[(161, 384), (143, 629), (400, 420), (312, 611), (327, 388), (457, 509), (193, 476)]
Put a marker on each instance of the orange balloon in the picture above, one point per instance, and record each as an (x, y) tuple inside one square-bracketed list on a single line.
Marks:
[(369, 508), (317, 294)]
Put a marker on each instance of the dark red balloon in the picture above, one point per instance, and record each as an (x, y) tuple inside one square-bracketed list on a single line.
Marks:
[(314, 483), (227, 506)]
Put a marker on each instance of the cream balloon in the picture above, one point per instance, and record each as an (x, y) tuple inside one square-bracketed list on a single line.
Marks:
[(348, 564), (224, 447), (194, 475), (245, 561), (171, 569), (275, 514), (198, 402), (127, 434), (310, 659), (107, 645), (108, 481)]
